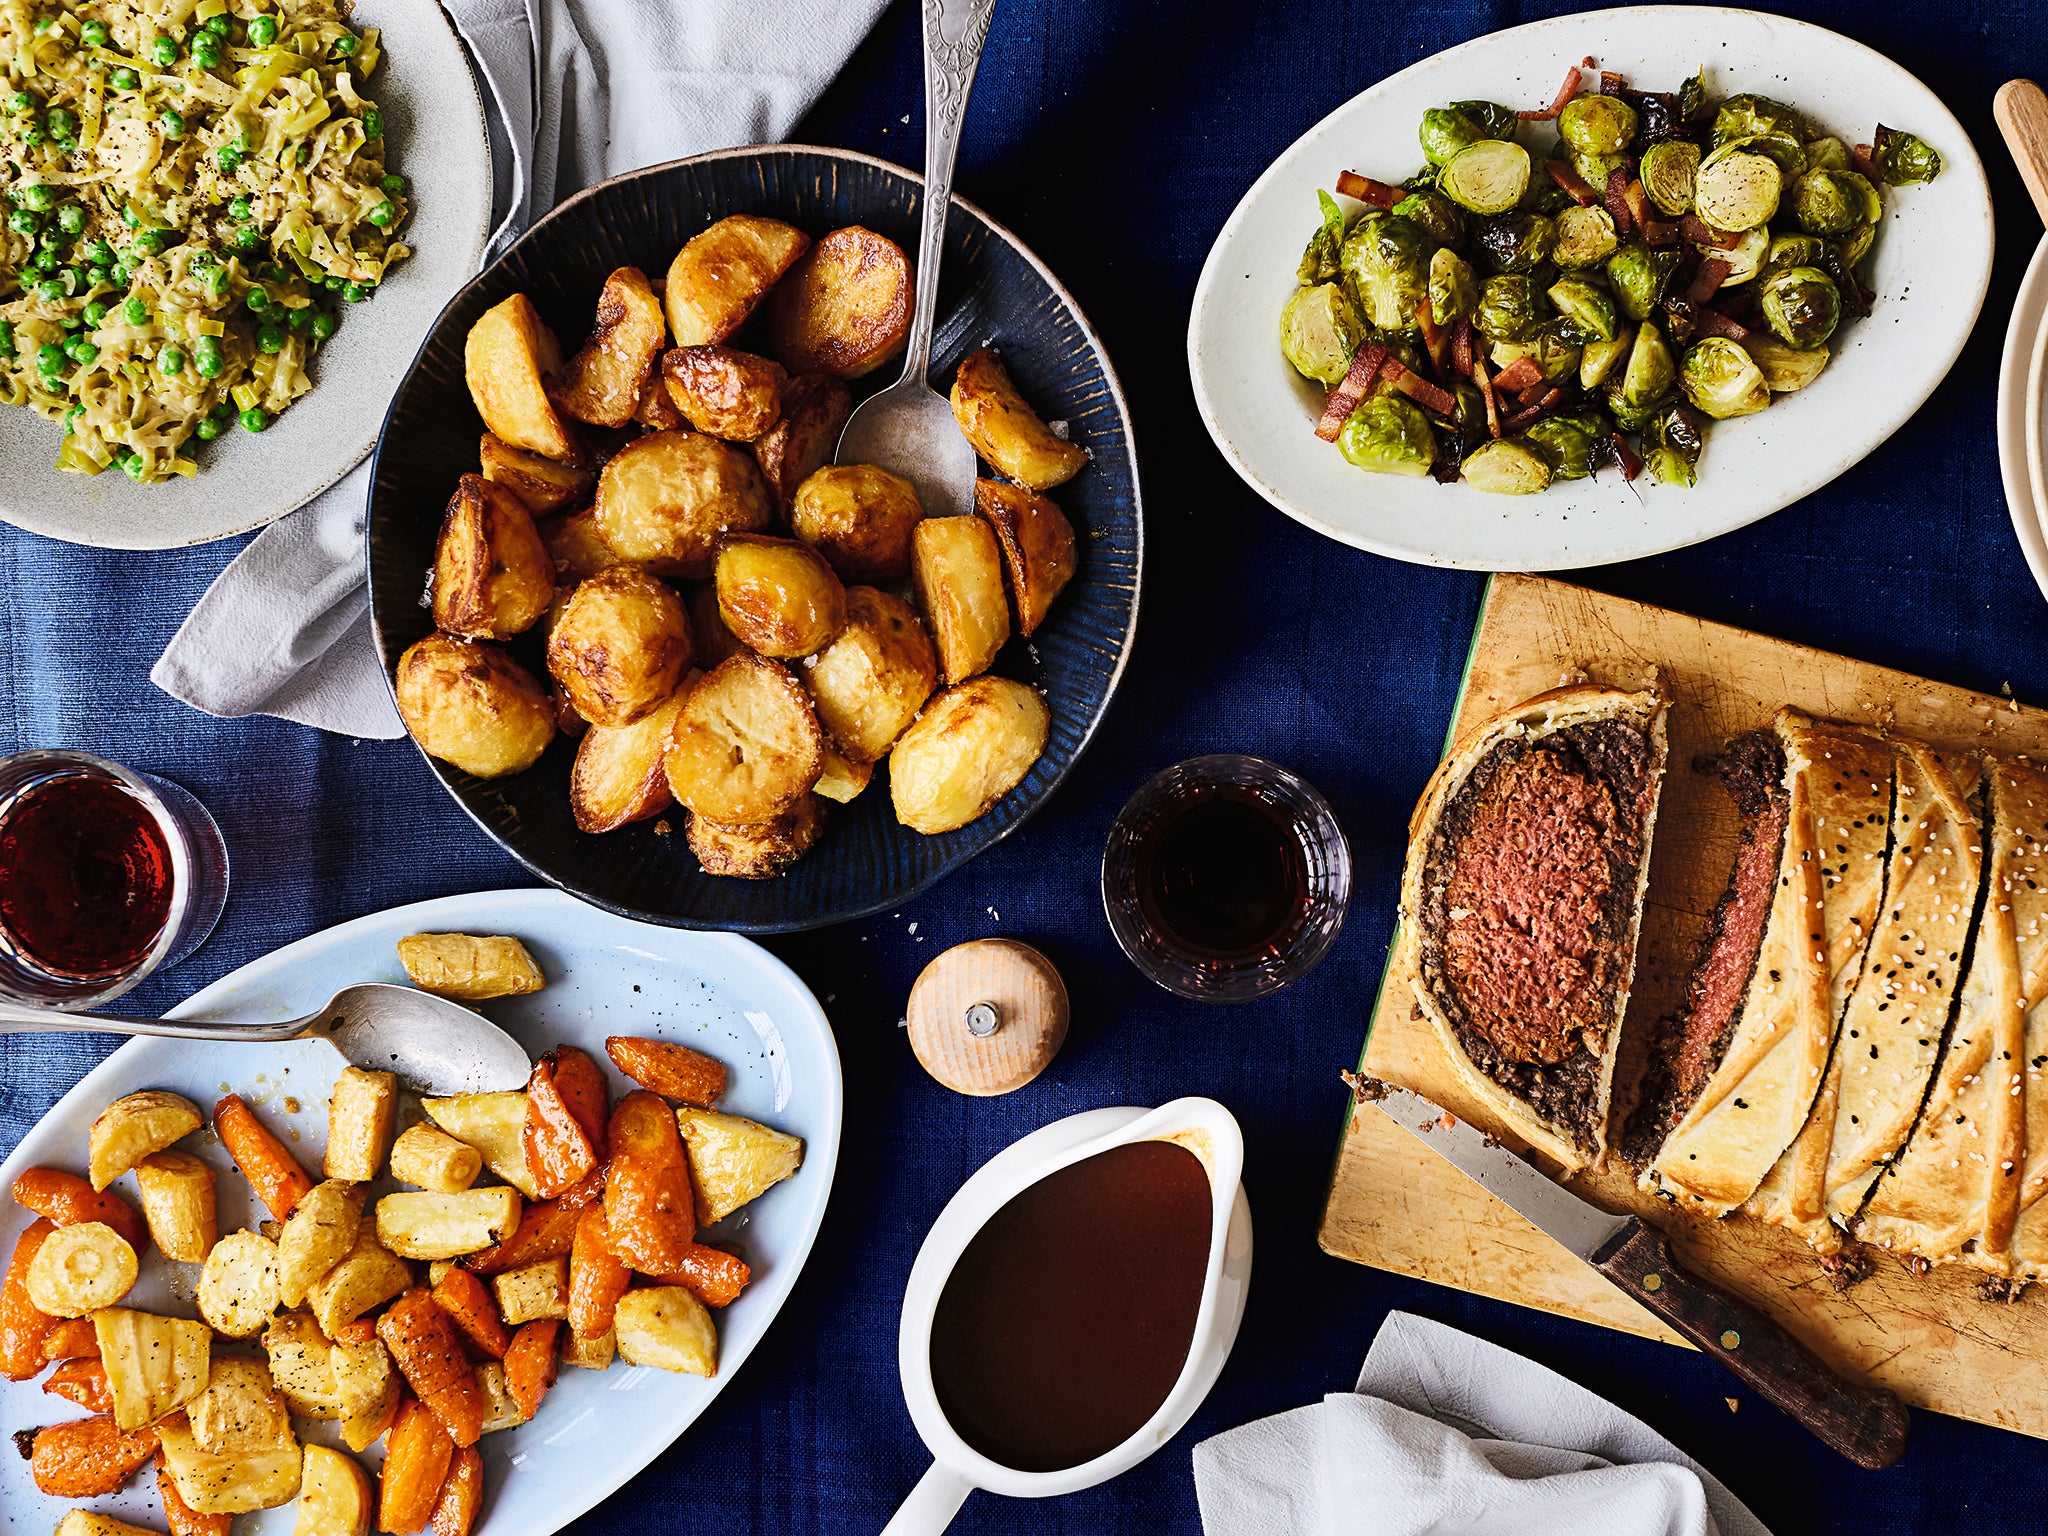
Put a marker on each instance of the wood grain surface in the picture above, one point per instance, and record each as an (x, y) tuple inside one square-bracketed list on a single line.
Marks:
[(1396, 1205)]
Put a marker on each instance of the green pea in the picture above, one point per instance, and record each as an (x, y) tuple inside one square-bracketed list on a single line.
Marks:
[(263, 31), (331, 284), (383, 213), (240, 210), (43, 24), (207, 430), (41, 197), (171, 359), (23, 222), (229, 159), (125, 79), (305, 153), (392, 182), (50, 357), (217, 25), (6, 338), (136, 311), (355, 293), (216, 283), (206, 51), (247, 238), (224, 412), (270, 338), (93, 34), (325, 324), (163, 51), (95, 312), (258, 299), (45, 261), (32, 135), (81, 351), (131, 218), (100, 253), (71, 218), (63, 125), (21, 101), (255, 419), (132, 467), (122, 272), (345, 46), (206, 357), (299, 318), (151, 242), (373, 123), (172, 124), (72, 415)]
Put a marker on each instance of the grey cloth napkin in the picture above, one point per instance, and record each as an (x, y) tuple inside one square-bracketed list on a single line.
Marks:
[(575, 91), (1447, 1435)]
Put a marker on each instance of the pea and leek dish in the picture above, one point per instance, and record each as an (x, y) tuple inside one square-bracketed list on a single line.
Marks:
[(191, 193), (1516, 315)]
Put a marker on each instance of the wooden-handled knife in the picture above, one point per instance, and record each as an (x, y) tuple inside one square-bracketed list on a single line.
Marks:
[(1866, 1424)]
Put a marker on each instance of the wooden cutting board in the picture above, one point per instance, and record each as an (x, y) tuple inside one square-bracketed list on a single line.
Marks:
[(1396, 1205)]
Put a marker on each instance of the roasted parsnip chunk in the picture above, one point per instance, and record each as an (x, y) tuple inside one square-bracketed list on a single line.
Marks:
[(716, 280), (860, 518), (434, 1160), (747, 745), (761, 851), (469, 703), (872, 680), (493, 1123), (211, 1483), (85, 1522), (81, 1269), (620, 646), (493, 577), (576, 545), (777, 596), (601, 384), (707, 626), (500, 1411), (365, 1390), (665, 1326), (361, 1114), (178, 1204), (958, 568), (1005, 430), (724, 391), (302, 1366), (319, 1234), (591, 1354), (619, 776), (469, 967), (733, 1160), (153, 1364), (238, 1288), (507, 359), (545, 485), (844, 309), (425, 1224), (370, 1276), (843, 780), (1037, 543), (970, 747), (132, 1127), (815, 407), (533, 1290), (335, 1495), (664, 500), (240, 1410)]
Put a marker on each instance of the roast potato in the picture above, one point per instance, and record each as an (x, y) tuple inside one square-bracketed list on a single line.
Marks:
[(601, 384), (714, 641), (232, 1483), (958, 568), (845, 308), (370, 1276), (545, 485), (426, 1224), (747, 745), (619, 776), (319, 1234), (507, 359), (761, 851), (620, 646), (1006, 431), (133, 1127), (843, 780), (658, 407), (1037, 543), (302, 1365), (777, 595), (178, 1204), (871, 681), (733, 1160), (336, 1497), (664, 500), (365, 1390), (667, 1327), (970, 747), (859, 517), (719, 276), (728, 393), (815, 407), (240, 1410), (469, 703), (493, 577), (469, 967), (576, 545)]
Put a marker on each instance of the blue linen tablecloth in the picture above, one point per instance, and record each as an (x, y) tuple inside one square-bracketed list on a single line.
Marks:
[(1115, 136)]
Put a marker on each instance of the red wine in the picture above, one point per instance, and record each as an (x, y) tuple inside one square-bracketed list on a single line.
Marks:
[(85, 878), (1222, 872)]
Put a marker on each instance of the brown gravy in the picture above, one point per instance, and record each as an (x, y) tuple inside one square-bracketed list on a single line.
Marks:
[(1069, 1315)]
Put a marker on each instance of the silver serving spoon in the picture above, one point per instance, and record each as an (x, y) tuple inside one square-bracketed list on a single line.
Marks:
[(908, 428), (434, 1046)]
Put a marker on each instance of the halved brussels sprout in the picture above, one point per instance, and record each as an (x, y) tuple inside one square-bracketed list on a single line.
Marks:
[(1638, 274), (1386, 270), (1566, 444), (1827, 153), (1801, 305), (1446, 130), (1555, 355), (1667, 171), (1650, 370), (1834, 202), (1594, 170), (1785, 368), (1746, 258), (1515, 242), (1793, 251), (1597, 361), (1673, 441), (1737, 190), (1722, 379), (1667, 466), (1545, 197), (1507, 467), (1692, 97), (1388, 436), (1597, 125), (1320, 332), (1319, 261), (1434, 214), (1586, 308), (1470, 414), (1453, 287), (1628, 416), (1855, 245), (1585, 237), (1507, 308), (1486, 176), (1903, 158), (1751, 116)]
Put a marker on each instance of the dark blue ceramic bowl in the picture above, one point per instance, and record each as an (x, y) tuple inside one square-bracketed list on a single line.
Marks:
[(991, 290)]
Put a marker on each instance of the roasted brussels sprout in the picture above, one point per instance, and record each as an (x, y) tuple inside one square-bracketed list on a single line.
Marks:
[(1667, 170), (1827, 153), (1566, 444), (1319, 261), (1595, 170), (1750, 116), (1598, 358), (1692, 97), (1737, 190), (1630, 417), (1453, 287), (1515, 242), (1801, 305), (1585, 237), (1486, 176), (1507, 467), (1446, 130), (1854, 246), (1386, 270), (1597, 125), (1545, 197), (1320, 332), (1586, 309), (1434, 214), (1903, 158), (1650, 371), (1388, 436), (1793, 251), (1637, 275), (1746, 258), (1555, 354), (1722, 379), (1499, 122), (1673, 440), (1834, 202), (1785, 368), (1507, 308)]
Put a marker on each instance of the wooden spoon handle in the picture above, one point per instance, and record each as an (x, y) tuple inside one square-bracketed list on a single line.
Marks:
[(2021, 109)]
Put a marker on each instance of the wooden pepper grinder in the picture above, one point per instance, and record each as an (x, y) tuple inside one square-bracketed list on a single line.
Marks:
[(987, 1017)]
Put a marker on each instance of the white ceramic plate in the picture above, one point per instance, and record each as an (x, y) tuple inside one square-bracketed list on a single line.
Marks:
[(434, 126), (606, 975), (2015, 427), (1930, 267)]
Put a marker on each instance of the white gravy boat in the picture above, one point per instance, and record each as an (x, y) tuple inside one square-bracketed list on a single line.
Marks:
[(1207, 1130)]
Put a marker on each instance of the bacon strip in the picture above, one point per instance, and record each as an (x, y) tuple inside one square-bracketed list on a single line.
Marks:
[(1365, 367), (1612, 84), (1712, 322), (1366, 190), (1434, 339), (1576, 186), (1617, 201), (1866, 167), (1518, 375), (1624, 456), (1699, 232), (1461, 347), (1660, 232), (1707, 281), (1425, 394), (1565, 93), (1485, 383), (1531, 395), (1638, 202)]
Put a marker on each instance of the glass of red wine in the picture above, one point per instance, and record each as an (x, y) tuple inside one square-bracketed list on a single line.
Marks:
[(105, 875), (1226, 878)]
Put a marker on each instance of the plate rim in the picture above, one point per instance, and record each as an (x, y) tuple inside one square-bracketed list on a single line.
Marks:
[(2029, 518), (893, 898), (1207, 285)]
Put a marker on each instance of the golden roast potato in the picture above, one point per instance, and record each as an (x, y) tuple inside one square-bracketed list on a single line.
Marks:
[(1006, 431), (576, 545), (747, 745), (845, 308), (620, 645), (657, 409), (717, 279), (508, 358), (469, 703), (493, 577), (815, 407), (777, 595), (761, 851), (728, 393), (619, 777), (665, 499), (545, 485), (859, 517), (958, 569), (970, 747), (602, 382), (1037, 543), (871, 681), (843, 779), (714, 641)]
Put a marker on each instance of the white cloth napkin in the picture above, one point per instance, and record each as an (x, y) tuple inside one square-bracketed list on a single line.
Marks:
[(1447, 1435), (285, 629)]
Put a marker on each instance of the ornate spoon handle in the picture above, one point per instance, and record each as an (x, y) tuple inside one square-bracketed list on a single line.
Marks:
[(954, 31)]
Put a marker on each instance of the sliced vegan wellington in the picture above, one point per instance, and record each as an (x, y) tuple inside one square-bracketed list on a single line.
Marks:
[(1528, 857), (1732, 1077)]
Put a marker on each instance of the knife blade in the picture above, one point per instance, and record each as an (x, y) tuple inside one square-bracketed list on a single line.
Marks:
[(1865, 1423)]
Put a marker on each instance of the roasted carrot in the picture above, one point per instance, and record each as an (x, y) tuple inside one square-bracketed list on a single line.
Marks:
[(530, 1363), (585, 1191), (427, 1346), (85, 1458), (714, 1275), (462, 1494), (69, 1200), (545, 1231), (417, 1453), (560, 1151), (280, 1183), (649, 1206), (468, 1300), (362, 1331), (74, 1338), (23, 1325), (83, 1382), (181, 1517), (596, 1277), (673, 1071)]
